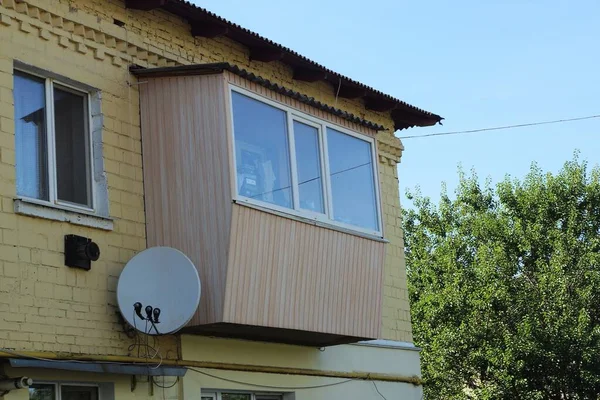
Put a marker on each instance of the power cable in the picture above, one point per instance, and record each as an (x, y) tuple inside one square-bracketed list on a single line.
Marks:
[(270, 387), (16, 353), (497, 128), (377, 389), (310, 180), (164, 386)]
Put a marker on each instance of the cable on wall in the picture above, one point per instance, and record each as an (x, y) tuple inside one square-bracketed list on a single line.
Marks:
[(268, 386), (497, 128)]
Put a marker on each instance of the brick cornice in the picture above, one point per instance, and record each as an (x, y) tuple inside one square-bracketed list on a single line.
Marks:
[(83, 34), (390, 149)]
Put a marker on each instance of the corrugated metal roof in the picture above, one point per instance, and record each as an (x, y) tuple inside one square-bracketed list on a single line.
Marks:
[(215, 68), (403, 114)]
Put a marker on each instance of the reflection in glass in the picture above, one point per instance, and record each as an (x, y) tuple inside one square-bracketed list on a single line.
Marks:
[(236, 396), (310, 185), (352, 180), (72, 147), (42, 392), (261, 151), (30, 137)]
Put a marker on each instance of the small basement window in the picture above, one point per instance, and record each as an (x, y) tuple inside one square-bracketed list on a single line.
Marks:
[(56, 391), (237, 395), (294, 163)]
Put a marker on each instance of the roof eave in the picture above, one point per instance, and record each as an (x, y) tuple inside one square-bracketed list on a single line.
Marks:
[(207, 24)]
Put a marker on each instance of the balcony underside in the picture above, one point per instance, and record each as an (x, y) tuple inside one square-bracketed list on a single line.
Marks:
[(269, 334)]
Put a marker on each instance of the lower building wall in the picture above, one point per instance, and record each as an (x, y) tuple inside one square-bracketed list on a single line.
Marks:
[(401, 362), (393, 361), (113, 387)]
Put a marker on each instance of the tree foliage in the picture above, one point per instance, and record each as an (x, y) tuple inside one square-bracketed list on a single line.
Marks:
[(504, 286)]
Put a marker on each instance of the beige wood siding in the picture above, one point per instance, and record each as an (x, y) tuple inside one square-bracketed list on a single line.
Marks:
[(187, 177), (257, 268), (290, 274)]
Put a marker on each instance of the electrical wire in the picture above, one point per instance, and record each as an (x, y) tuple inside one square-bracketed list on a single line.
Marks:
[(497, 128), (268, 386), (337, 93), (145, 346), (163, 386), (16, 353), (310, 180), (377, 389)]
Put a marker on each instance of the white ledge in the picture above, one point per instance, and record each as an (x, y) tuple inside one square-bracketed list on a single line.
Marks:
[(389, 344), (57, 213), (321, 224)]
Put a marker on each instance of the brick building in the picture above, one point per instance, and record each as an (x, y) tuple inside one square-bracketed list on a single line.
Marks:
[(87, 90)]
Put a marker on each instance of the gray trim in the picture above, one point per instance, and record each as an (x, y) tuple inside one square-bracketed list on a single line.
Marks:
[(99, 179), (32, 69), (99, 367), (388, 344), (59, 213)]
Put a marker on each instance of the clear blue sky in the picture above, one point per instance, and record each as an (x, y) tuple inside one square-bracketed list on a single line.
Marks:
[(476, 63)]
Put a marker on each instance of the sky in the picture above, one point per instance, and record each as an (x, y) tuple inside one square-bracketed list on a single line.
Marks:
[(478, 64)]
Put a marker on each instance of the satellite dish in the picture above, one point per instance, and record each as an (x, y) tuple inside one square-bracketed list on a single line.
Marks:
[(158, 291)]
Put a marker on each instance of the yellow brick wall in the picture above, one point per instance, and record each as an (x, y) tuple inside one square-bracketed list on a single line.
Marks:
[(47, 306)]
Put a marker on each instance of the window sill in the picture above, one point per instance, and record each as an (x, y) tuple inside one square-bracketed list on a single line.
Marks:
[(58, 213), (310, 221)]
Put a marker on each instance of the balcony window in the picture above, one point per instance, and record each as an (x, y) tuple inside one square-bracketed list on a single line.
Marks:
[(294, 163), (262, 152), (352, 180)]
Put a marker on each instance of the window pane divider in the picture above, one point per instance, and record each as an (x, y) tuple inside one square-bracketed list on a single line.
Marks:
[(293, 166), (51, 142), (326, 176)]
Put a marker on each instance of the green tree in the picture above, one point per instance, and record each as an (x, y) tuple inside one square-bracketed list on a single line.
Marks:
[(504, 286)]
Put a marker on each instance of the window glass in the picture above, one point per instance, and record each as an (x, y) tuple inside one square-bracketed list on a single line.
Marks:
[(236, 396), (30, 137), (72, 147), (261, 151), (78, 392), (308, 160), (42, 392), (352, 180)]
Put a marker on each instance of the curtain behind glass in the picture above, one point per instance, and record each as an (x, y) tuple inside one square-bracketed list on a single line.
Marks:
[(78, 392), (72, 147)]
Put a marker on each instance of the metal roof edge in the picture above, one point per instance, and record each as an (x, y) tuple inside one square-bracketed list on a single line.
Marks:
[(404, 114), (217, 68)]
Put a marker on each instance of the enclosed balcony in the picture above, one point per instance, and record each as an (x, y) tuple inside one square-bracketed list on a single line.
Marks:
[(275, 199)]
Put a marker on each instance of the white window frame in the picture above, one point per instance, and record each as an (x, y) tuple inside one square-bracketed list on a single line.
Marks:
[(58, 385), (96, 216), (49, 84), (216, 394), (292, 115)]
